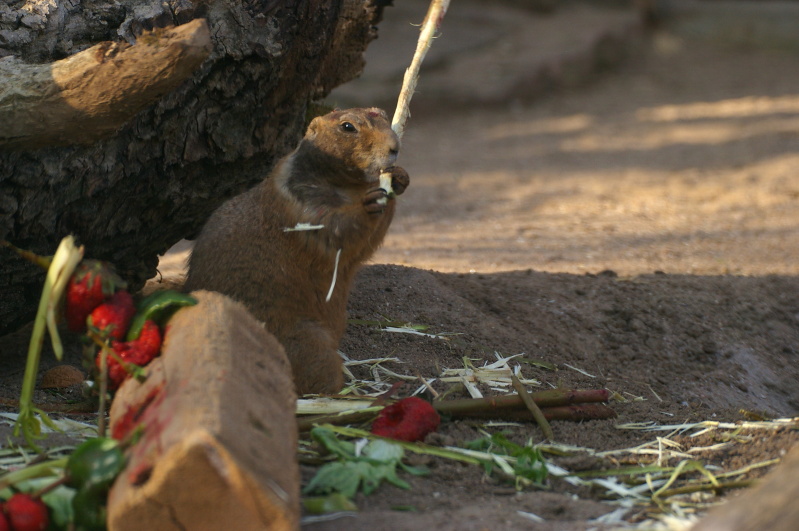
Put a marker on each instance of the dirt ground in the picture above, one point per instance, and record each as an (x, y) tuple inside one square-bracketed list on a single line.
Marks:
[(642, 229)]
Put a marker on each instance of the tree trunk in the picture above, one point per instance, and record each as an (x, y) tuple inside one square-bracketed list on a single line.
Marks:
[(130, 196), (91, 94)]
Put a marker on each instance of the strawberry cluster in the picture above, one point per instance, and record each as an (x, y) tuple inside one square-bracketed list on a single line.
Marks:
[(96, 301), (23, 512), (410, 419)]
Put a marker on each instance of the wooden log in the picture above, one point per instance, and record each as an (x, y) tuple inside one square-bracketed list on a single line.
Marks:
[(91, 94), (218, 437), (770, 505), (130, 196)]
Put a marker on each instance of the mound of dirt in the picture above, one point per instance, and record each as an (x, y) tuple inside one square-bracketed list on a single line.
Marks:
[(678, 348), (638, 235)]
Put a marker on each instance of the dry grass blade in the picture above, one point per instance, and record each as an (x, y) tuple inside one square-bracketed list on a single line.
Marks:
[(330, 406)]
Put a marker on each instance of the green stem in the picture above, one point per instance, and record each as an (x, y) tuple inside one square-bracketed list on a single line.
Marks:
[(419, 448), (64, 257), (41, 261), (103, 376), (34, 471), (690, 489)]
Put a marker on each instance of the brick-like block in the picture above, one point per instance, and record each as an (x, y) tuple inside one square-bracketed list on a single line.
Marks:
[(219, 437), (771, 505)]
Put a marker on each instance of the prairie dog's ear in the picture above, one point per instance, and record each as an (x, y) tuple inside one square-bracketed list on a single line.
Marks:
[(313, 128)]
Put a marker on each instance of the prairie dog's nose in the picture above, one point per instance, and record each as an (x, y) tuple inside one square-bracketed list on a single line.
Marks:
[(393, 148)]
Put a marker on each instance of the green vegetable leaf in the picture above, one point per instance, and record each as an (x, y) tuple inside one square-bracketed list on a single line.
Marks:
[(89, 510), (377, 463), (332, 503), (59, 501), (339, 476), (342, 449), (527, 461), (94, 465), (159, 307), (382, 450)]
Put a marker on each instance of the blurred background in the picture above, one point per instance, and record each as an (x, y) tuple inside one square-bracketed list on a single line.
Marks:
[(580, 136)]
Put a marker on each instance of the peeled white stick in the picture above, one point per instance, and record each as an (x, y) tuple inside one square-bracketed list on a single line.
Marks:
[(432, 21), (385, 184), (335, 274), (435, 14)]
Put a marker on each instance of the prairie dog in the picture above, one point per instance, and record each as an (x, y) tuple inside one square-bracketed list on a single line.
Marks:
[(249, 250)]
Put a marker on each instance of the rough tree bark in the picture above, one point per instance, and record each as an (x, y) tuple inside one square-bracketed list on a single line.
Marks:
[(89, 95), (131, 196)]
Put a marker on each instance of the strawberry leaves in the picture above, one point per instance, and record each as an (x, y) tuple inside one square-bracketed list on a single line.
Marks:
[(159, 307), (358, 466)]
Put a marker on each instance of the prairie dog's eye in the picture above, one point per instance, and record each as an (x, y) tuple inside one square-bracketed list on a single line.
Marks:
[(348, 127)]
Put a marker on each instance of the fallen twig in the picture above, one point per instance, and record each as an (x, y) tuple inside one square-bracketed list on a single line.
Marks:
[(552, 398), (557, 404), (533, 408), (575, 413)]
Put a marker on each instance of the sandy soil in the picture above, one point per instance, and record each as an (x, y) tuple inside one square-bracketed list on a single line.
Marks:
[(642, 229)]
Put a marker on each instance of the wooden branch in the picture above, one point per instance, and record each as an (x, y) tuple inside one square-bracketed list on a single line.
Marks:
[(574, 413), (89, 95), (555, 404), (535, 411), (431, 24), (551, 398)]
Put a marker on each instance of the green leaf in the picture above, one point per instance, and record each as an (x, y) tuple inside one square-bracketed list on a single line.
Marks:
[(47, 420), (95, 464), (335, 477), (389, 473), (528, 462), (159, 307), (59, 501), (342, 449), (332, 503), (414, 470), (89, 509), (383, 451), (377, 463)]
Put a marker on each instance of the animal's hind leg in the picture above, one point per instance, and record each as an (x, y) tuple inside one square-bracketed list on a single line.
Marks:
[(315, 363)]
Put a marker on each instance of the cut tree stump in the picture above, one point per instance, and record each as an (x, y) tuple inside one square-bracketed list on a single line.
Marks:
[(218, 433)]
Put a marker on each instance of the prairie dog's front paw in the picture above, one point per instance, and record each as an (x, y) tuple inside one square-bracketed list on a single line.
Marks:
[(375, 200), (399, 179)]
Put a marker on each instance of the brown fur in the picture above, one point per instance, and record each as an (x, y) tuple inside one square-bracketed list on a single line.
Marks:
[(243, 251)]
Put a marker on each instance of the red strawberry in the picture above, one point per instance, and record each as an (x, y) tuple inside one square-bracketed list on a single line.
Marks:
[(112, 318), (410, 419), (139, 352), (26, 513), (148, 344), (4, 525), (91, 283)]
